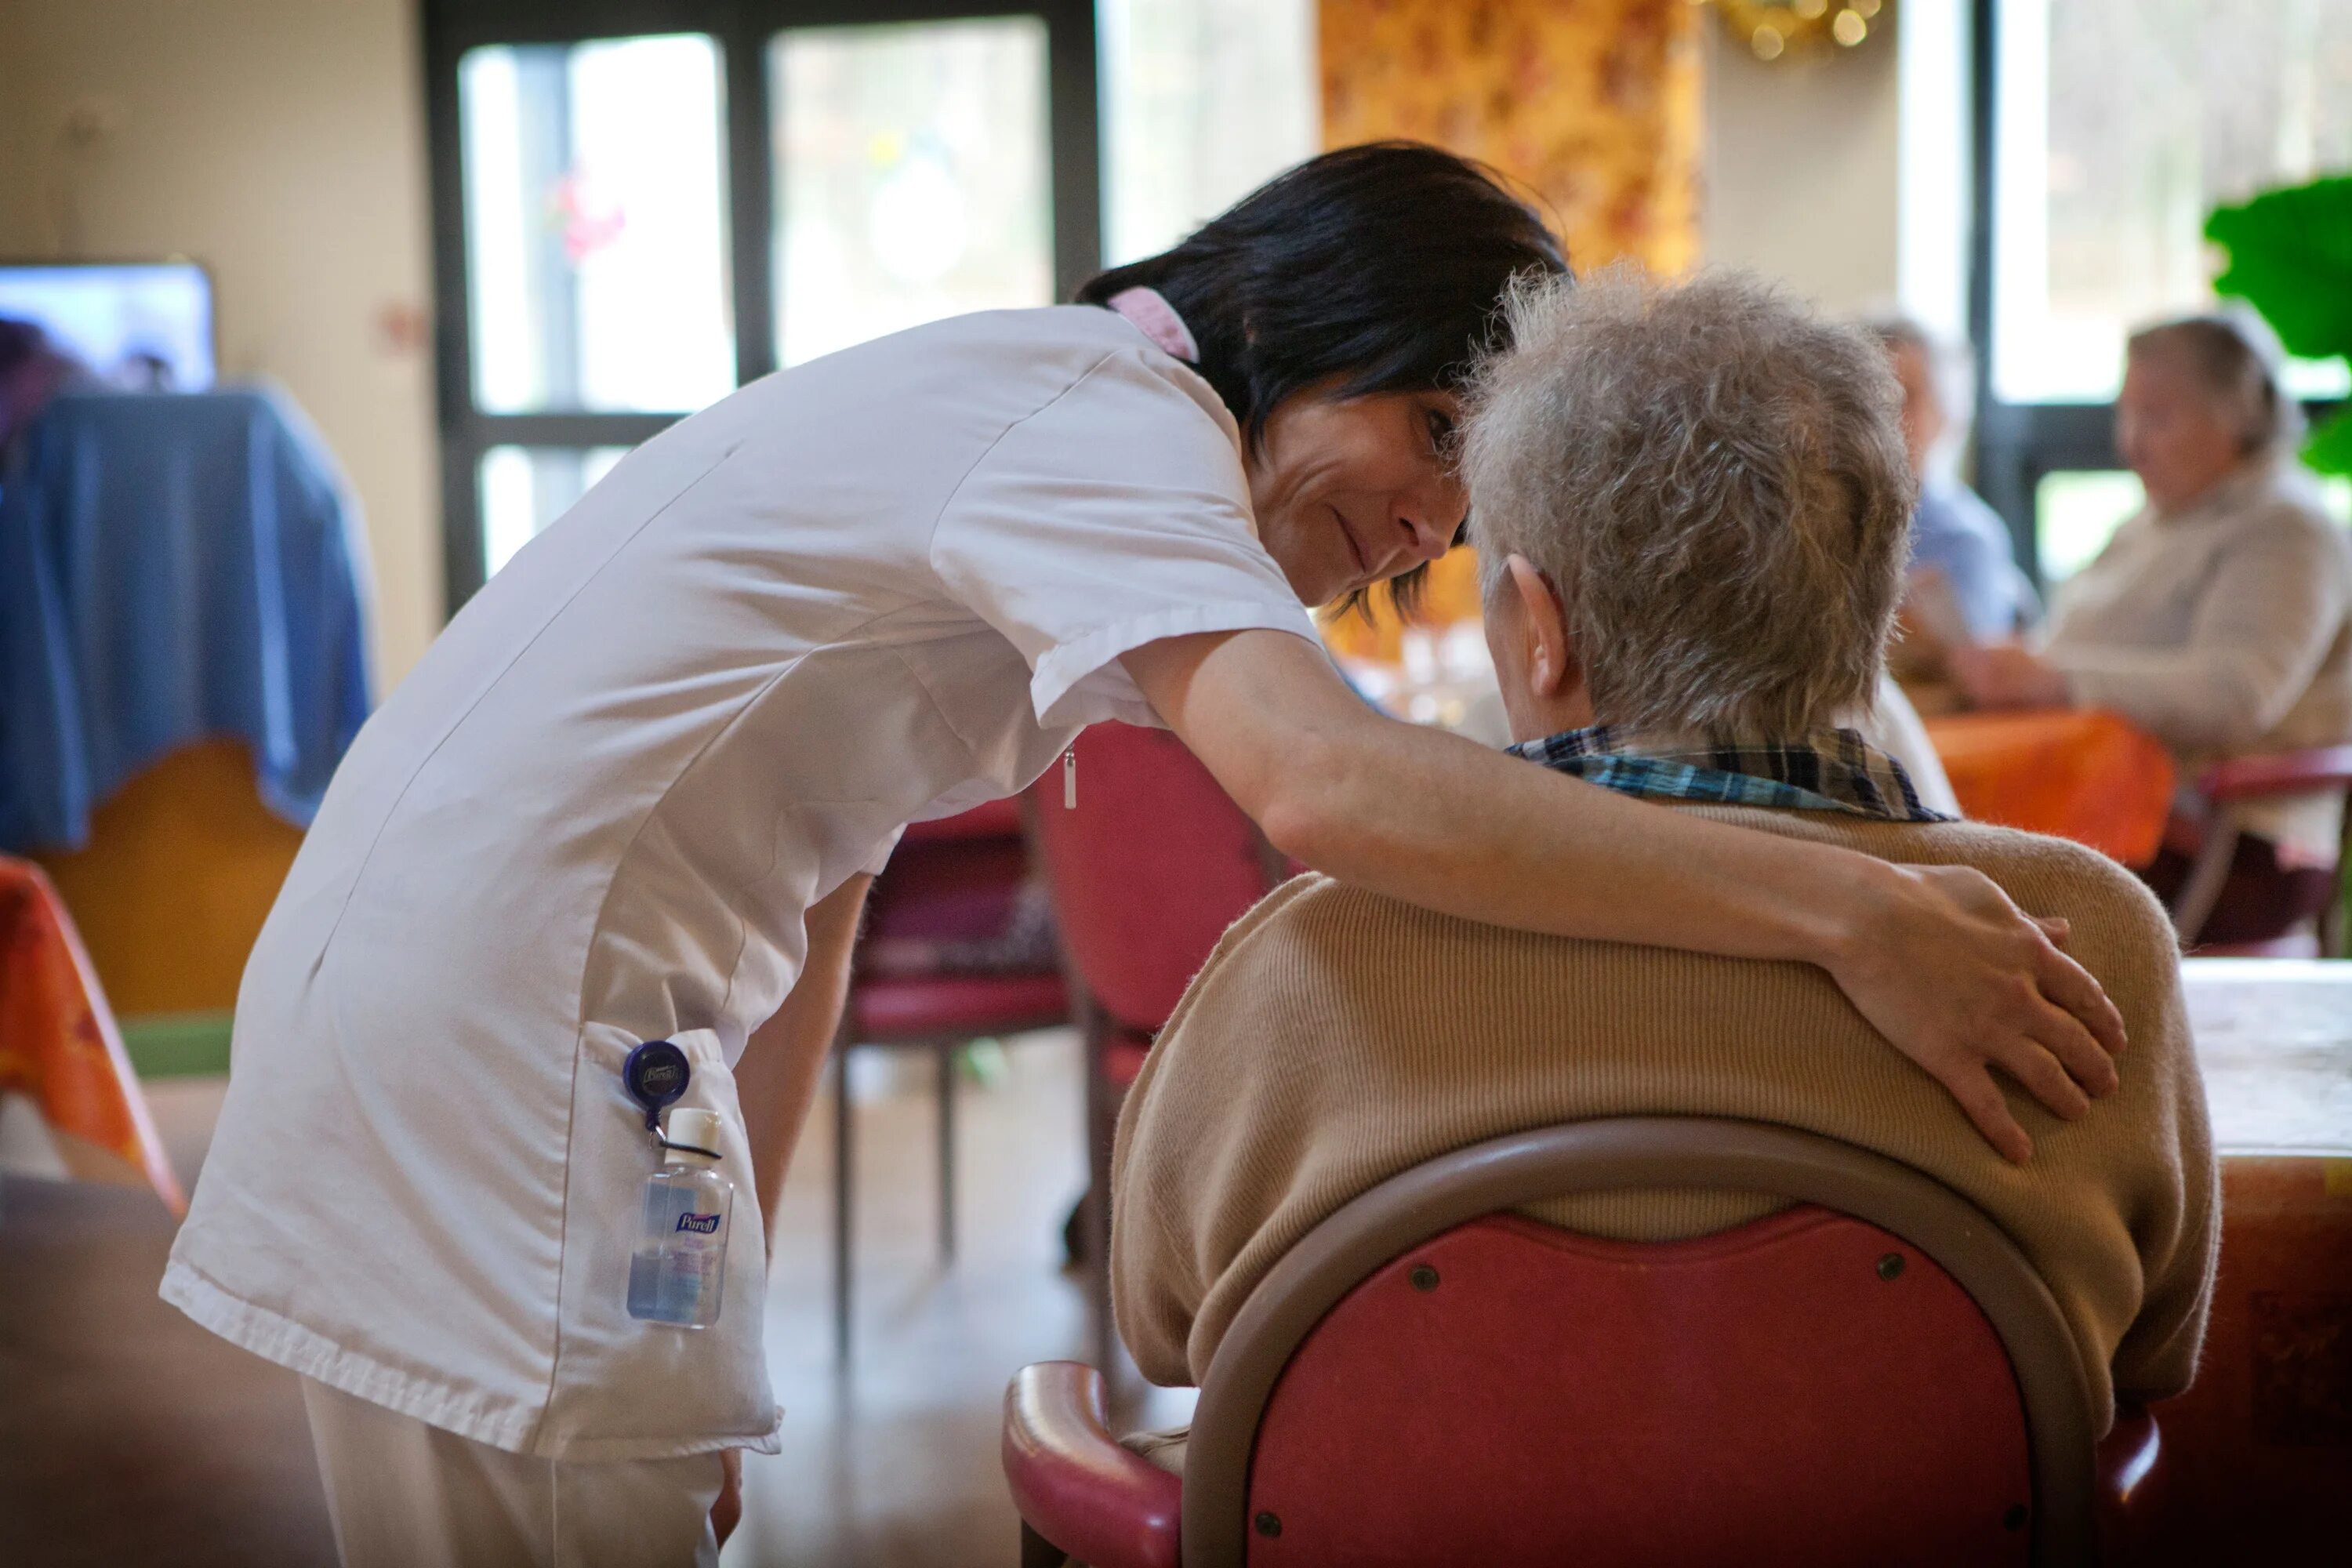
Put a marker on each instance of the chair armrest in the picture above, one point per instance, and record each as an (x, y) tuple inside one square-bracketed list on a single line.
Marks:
[(2278, 773), (1073, 1484)]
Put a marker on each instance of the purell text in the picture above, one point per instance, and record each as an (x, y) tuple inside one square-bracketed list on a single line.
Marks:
[(701, 1223)]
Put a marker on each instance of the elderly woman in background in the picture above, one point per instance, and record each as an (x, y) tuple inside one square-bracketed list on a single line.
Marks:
[(2219, 618)]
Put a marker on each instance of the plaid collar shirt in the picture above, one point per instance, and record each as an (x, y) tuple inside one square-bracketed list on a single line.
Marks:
[(1829, 770)]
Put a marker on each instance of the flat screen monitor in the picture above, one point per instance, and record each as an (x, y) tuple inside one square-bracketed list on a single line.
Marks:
[(135, 325)]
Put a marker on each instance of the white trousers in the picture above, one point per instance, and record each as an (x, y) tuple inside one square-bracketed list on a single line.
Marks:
[(403, 1494)]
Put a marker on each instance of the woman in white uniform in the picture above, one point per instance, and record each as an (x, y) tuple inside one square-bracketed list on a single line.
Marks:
[(636, 789)]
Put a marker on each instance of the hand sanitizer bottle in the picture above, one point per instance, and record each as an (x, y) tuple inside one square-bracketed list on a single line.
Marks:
[(680, 1263)]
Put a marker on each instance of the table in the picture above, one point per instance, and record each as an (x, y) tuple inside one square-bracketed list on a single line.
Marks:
[(2257, 1456), (2084, 774)]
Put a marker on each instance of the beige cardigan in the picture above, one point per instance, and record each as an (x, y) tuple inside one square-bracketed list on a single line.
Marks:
[(1337, 1036), (2224, 628)]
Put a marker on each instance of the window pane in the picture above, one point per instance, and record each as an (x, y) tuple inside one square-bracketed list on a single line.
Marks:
[(524, 489), (2076, 513), (595, 226), (2335, 495), (912, 177), (2121, 123), (1204, 100)]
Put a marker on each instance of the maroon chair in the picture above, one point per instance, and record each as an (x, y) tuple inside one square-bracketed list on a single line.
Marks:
[(955, 878), (2225, 787), (1146, 871), (1874, 1375)]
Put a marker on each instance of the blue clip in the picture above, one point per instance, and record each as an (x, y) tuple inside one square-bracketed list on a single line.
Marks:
[(656, 1075)]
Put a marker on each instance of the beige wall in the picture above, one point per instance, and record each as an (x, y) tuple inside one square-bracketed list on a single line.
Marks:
[(282, 144), (1802, 176)]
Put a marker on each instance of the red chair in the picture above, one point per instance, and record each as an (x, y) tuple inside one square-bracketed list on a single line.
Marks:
[(1875, 1375), (951, 877), (2226, 786), (1147, 871)]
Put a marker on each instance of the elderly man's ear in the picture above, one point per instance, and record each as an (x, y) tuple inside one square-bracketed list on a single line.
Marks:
[(1552, 668)]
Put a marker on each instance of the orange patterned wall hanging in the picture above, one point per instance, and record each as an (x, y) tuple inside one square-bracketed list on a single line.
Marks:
[(1592, 105)]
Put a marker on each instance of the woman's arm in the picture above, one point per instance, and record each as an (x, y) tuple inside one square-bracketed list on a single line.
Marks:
[(1937, 958), (776, 1080)]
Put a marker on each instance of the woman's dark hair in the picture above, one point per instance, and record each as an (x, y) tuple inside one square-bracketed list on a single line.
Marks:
[(1379, 268)]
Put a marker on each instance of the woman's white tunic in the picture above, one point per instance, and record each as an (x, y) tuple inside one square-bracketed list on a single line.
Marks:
[(879, 587)]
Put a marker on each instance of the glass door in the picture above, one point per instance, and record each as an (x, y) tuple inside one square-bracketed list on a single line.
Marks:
[(639, 204)]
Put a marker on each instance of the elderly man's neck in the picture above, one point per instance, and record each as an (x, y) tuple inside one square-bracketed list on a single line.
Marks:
[(1823, 769)]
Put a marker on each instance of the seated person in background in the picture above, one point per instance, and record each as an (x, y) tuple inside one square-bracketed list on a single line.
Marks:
[(2220, 618), (1690, 504), (1962, 584)]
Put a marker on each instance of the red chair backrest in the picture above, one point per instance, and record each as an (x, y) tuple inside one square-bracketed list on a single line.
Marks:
[(954, 878), (1804, 1389), (1807, 1389), (1148, 869)]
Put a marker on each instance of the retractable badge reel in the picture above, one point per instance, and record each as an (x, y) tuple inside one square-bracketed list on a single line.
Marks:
[(678, 1266)]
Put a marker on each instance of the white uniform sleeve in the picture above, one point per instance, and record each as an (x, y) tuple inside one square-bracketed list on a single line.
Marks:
[(1114, 516)]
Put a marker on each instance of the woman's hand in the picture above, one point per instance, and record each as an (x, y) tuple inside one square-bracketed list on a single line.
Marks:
[(727, 1510), (2006, 675), (1962, 982)]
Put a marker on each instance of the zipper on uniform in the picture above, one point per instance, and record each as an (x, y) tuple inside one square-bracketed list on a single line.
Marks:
[(1070, 778)]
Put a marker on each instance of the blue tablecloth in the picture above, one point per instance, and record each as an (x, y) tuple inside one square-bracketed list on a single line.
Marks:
[(172, 567)]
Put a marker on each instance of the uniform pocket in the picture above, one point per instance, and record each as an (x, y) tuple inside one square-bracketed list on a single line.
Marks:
[(627, 1388)]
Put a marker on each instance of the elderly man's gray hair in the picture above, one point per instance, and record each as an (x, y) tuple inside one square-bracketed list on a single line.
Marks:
[(1715, 479)]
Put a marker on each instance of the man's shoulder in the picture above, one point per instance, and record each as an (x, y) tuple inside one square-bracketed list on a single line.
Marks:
[(2119, 923)]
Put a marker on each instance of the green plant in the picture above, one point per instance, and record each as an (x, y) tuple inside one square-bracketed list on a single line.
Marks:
[(2290, 259)]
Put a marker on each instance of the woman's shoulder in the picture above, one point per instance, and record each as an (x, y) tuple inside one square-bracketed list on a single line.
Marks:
[(2288, 502)]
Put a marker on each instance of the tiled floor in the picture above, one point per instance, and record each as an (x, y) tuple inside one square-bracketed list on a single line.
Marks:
[(127, 1436)]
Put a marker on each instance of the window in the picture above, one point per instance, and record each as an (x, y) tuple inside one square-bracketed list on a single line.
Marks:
[(2121, 123), (912, 177), (595, 224), (1204, 100), (641, 203), (524, 489), (2107, 130)]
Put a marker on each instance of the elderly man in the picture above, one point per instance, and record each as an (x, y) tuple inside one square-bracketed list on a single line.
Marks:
[(1690, 504)]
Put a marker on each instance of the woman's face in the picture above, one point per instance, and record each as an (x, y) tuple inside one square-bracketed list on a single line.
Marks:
[(2169, 431), (1352, 491)]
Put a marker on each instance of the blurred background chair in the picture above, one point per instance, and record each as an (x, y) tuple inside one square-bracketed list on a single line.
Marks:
[(941, 962), (1147, 871), (2224, 788), (1874, 1375)]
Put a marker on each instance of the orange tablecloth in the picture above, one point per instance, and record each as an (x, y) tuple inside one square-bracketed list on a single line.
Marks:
[(2086, 776), (59, 1044)]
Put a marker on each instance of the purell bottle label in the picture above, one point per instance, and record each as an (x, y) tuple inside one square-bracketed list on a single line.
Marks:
[(680, 1264)]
